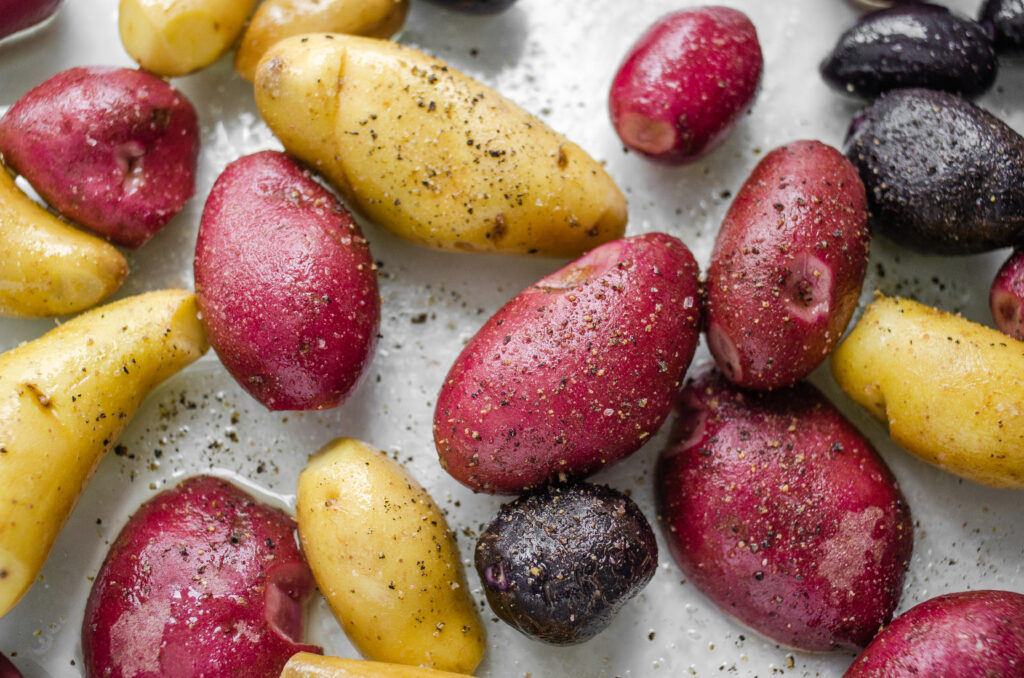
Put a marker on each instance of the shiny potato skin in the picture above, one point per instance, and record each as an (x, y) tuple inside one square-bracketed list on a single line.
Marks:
[(1005, 19)]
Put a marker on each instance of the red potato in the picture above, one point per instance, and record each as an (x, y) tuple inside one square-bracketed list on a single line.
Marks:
[(112, 149), (7, 669), (286, 285), (574, 373), (787, 267), (17, 15), (202, 581), (779, 511), (685, 83), (975, 634), (1007, 296)]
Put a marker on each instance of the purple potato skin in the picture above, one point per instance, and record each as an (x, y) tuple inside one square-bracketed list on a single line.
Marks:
[(1005, 20), (202, 580), (557, 564), (7, 669), (476, 6), (1006, 296), (286, 285), (685, 83), (912, 45), (113, 149), (787, 267), (973, 634), (17, 15), (576, 372), (782, 514)]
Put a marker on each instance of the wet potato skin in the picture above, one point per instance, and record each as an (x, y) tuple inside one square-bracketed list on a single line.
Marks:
[(1006, 19)]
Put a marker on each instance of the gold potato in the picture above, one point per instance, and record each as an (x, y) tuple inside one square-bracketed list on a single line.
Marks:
[(951, 390), (383, 556), (48, 267), (306, 665), (177, 37), (279, 19), (64, 399), (432, 155)]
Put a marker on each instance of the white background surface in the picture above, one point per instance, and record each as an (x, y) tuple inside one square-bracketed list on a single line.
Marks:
[(556, 59)]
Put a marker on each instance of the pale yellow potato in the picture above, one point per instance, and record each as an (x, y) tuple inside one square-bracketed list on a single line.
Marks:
[(64, 399), (951, 390), (383, 556), (177, 37), (306, 665), (48, 267), (432, 155), (279, 19)]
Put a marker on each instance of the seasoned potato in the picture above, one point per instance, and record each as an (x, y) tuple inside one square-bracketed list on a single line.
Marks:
[(382, 554), (432, 155), (177, 37), (305, 665), (64, 399), (951, 390)]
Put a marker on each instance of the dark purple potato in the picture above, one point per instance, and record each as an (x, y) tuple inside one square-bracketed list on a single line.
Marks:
[(878, 4), (476, 6), (913, 45), (974, 634), (557, 564), (17, 15), (1005, 20), (942, 175), (1006, 297), (7, 669)]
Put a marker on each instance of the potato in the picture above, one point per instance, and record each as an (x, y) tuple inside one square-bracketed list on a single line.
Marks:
[(383, 556), (7, 669), (574, 373), (559, 563), (787, 266), (1006, 296), (202, 581), (46, 266), (112, 149), (1005, 20), (64, 399), (432, 155), (275, 20), (17, 15), (286, 285), (304, 665), (951, 390), (476, 6), (974, 634), (177, 37), (779, 511)]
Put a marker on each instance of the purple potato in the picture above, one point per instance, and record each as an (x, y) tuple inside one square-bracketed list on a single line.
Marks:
[(476, 6), (1004, 19)]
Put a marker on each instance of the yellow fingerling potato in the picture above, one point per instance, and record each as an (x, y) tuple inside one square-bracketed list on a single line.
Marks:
[(279, 19), (383, 556), (306, 665), (64, 399), (177, 37), (951, 390), (48, 267), (431, 154)]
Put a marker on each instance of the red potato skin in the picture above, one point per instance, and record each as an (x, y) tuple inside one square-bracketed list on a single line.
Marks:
[(17, 15), (781, 513), (685, 83), (202, 581), (974, 634), (787, 267), (113, 149), (1006, 296), (7, 669), (286, 285), (574, 373)]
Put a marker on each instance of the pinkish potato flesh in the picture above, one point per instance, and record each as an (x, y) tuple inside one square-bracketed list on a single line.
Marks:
[(780, 512), (202, 580), (685, 83), (112, 149), (787, 267), (286, 285), (1007, 296), (17, 15), (574, 373)]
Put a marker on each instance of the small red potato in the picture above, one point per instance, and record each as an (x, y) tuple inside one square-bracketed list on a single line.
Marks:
[(574, 373), (7, 669), (782, 514), (112, 149), (685, 83), (1007, 296), (787, 266), (202, 581), (286, 285), (17, 15), (974, 634)]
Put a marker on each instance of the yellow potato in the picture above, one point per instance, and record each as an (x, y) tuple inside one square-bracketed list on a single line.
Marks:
[(47, 267), (64, 399), (951, 390), (431, 154), (176, 37), (383, 556), (279, 19), (306, 665)]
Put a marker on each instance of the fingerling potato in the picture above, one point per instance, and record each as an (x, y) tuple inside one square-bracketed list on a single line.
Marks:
[(305, 665)]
